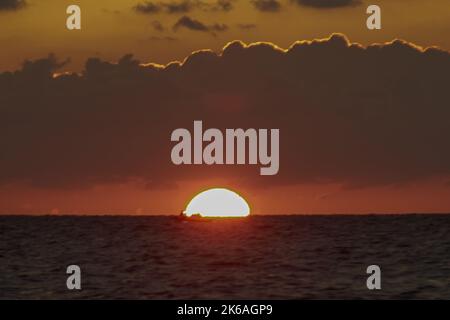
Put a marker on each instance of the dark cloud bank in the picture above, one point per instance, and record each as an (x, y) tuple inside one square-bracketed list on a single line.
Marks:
[(348, 114), (11, 4)]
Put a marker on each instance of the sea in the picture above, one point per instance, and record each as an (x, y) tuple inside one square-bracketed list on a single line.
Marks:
[(259, 257)]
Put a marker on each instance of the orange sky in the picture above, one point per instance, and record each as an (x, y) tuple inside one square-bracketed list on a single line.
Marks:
[(304, 199), (112, 28)]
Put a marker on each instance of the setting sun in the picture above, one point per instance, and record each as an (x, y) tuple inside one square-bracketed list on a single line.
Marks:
[(218, 202)]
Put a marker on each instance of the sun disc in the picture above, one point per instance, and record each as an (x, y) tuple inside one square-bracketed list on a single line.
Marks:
[(218, 202)]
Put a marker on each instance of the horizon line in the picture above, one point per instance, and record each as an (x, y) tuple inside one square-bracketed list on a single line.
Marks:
[(254, 215)]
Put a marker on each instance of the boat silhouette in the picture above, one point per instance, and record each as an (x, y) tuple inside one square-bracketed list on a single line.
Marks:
[(196, 217)]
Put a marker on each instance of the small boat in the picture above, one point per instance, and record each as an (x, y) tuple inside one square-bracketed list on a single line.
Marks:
[(196, 217)]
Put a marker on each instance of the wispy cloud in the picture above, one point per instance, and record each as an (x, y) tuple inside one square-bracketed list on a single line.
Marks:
[(327, 3), (183, 6), (196, 25), (267, 5)]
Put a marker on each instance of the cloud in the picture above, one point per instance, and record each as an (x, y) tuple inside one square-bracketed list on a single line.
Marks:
[(42, 68), (222, 5), (189, 23), (327, 3), (147, 8), (183, 6), (178, 7), (11, 4), (195, 25), (353, 115), (266, 5)]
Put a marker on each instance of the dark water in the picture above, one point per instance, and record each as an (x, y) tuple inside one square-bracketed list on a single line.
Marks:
[(294, 257)]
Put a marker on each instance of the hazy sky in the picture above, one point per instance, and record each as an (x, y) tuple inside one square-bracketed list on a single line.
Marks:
[(364, 128)]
